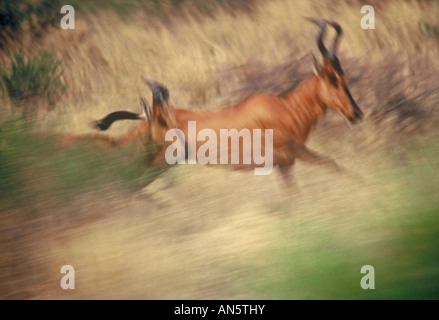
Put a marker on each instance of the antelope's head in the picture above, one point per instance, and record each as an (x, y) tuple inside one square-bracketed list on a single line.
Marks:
[(156, 121), (160, 117), (332, 82)]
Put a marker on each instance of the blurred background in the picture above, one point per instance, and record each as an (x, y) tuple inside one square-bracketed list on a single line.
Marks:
[(195, 232)]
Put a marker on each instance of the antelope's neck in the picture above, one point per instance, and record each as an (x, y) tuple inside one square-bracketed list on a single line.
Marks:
[(305, 106)]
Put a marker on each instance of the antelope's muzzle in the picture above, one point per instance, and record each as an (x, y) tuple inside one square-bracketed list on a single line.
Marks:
[(357, 113), (358, 116)]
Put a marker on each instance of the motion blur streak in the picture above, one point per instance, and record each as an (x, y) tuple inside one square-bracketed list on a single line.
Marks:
[(211, 233)]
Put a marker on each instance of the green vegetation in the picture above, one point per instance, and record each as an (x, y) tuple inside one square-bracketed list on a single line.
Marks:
[(399, 241), (39, 15), (428, 29), (156, 7), (202, 234), (30, 76), (34, 172), (14, 14), (323, 269)]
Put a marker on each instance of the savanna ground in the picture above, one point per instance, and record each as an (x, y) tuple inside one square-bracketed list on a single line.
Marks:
[(209, 233)]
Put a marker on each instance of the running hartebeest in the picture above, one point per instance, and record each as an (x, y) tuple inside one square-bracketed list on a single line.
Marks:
[(291, 116)]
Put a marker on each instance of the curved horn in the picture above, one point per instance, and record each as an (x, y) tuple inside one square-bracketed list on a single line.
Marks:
[(159, 92), (165, 93), (339, 31), (322, 24), (156, 92), (160, 96), (146, 109)]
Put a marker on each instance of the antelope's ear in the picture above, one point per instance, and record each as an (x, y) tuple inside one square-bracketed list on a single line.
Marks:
[(146, 109), (317, 67)]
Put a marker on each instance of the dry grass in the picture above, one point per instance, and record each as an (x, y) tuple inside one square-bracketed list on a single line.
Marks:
[(202, 58), (205, 233)]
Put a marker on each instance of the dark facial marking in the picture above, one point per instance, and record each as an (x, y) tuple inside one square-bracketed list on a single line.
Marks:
[(358, 114), (161, 121), (336, 65), (333, 79)]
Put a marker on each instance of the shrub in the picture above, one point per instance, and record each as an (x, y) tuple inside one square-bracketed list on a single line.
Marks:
[(11, 17), (30, 76), (428, 30), (35, 172), (38, 14)]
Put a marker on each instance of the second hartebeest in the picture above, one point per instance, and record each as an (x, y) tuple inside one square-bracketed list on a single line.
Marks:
[(291, 116)]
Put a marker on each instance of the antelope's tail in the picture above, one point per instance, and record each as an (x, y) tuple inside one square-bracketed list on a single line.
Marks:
[(107, 121)]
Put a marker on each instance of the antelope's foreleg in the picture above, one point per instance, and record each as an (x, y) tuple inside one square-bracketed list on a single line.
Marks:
[(287, 176), (304, 154), (157, 159)]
